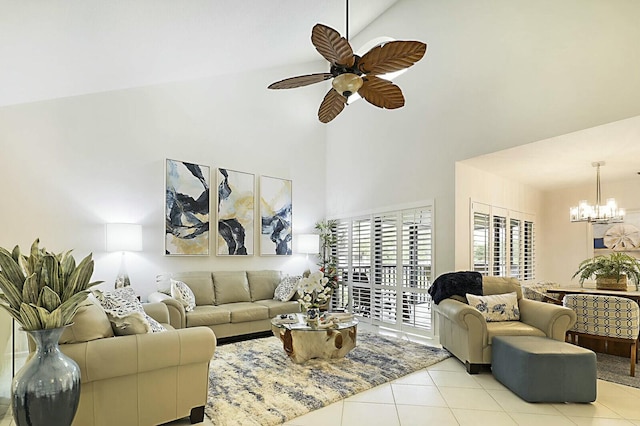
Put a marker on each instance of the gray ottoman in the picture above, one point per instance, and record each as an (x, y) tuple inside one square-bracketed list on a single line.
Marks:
[(538, 369)]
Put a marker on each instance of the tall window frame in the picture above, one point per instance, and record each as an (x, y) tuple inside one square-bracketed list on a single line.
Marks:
[(502, 242), (385, 267)]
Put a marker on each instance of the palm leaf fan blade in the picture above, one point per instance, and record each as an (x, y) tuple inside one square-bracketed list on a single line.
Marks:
[(299, 81), (332, 105), (381, 93), (333, 47), (392, 56)]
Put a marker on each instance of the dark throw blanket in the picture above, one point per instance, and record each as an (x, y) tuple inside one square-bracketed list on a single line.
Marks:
[(456, 283)]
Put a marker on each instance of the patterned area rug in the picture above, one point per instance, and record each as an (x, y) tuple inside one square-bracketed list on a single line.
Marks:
[(254, 383), (616, 369)]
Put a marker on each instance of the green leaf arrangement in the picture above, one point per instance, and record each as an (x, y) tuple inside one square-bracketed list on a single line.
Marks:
[(615, 265), (43, 290)]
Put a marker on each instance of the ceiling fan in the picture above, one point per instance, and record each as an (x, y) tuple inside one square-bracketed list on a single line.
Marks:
[(352, 73)]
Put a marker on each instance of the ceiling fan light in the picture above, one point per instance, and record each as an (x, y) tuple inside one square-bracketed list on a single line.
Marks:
[(347, 84)]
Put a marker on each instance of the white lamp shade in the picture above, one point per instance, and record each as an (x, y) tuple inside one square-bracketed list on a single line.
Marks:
[(123, 237), (308, 243)]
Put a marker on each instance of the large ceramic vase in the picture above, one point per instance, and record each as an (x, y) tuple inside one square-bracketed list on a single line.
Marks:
[(46, 390)]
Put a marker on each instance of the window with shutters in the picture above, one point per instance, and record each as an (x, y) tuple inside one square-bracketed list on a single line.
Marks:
[(385, 263), (502, 242)]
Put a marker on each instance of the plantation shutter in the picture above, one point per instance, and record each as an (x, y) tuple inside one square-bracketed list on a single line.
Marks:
[(515, 248), (499, 246), (480, 244), (340, 297), (360, 266), (417, 254), (529, 251), (385, 237)]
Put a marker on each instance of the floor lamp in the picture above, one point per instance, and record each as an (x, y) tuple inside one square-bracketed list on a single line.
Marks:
[(123, 237)]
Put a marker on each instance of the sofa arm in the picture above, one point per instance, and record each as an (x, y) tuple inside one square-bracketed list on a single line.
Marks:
[(554, 320), (177, 315), (158, 311), (129, 355)]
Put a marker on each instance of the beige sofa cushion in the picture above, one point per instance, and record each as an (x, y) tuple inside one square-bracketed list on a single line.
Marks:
[(247, 311), (200, 283), (208, 315), (89, 323), (231, 287), (499, 285), (262, 284), (277, 307)]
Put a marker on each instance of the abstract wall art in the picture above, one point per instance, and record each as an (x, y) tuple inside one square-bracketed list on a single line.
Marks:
[(186, 209), (236, 200), (275, 216)]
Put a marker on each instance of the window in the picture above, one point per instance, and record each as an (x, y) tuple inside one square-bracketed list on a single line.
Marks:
[(385, 267), (510, 251)]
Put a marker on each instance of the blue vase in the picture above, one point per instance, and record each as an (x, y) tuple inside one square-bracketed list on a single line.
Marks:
[(46, 391)]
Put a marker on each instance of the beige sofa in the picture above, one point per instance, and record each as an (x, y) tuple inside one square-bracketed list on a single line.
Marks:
[(231, 303), (141, 379), (465, 333)]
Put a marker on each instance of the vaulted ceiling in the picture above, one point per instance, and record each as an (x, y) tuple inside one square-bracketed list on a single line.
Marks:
[(58, 48)]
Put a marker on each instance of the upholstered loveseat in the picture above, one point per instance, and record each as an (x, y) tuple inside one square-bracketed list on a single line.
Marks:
[(465, 332), (231, 303), (139, 379)]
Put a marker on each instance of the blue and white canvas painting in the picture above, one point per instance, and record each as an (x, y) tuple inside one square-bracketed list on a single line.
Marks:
[(236, 200), (275, 216), (187, 209)]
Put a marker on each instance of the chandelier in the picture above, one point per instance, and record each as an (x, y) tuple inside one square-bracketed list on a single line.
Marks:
[(598, 213)]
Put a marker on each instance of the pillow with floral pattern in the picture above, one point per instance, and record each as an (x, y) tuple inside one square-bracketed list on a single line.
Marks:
[(496, 307)]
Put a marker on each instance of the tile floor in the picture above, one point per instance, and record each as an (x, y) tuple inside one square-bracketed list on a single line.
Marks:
[(444, 394)]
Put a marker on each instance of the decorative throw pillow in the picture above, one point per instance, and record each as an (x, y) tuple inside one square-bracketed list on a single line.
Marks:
[(123, 301), (183, 294), (497, 307), (89, 323), (287, 288), (133, 323)]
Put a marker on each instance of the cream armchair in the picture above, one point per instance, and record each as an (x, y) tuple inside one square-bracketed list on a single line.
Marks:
[(465, 333), (140, 379)]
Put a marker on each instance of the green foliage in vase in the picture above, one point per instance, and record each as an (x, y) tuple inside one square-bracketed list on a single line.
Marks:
[(328, 260), (616, 265), (43, 290)]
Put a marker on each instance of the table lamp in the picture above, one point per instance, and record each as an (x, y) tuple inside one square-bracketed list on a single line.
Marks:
[(307, 244), (123, 237)]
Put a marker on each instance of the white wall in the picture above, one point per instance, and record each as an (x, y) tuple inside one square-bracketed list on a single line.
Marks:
[(71, 165), (563, 245), (484, 187), (497, 73)]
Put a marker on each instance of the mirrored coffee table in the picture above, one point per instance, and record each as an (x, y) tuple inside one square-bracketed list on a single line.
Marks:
[(302, 342)]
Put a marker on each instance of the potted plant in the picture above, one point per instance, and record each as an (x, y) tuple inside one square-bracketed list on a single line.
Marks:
[(328, 260), (43, 292), (611, 272)]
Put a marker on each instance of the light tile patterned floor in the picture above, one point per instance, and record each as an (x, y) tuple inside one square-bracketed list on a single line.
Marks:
[(444, 394)]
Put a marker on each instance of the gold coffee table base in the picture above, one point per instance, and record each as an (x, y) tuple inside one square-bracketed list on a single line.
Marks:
[(303, 344)]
